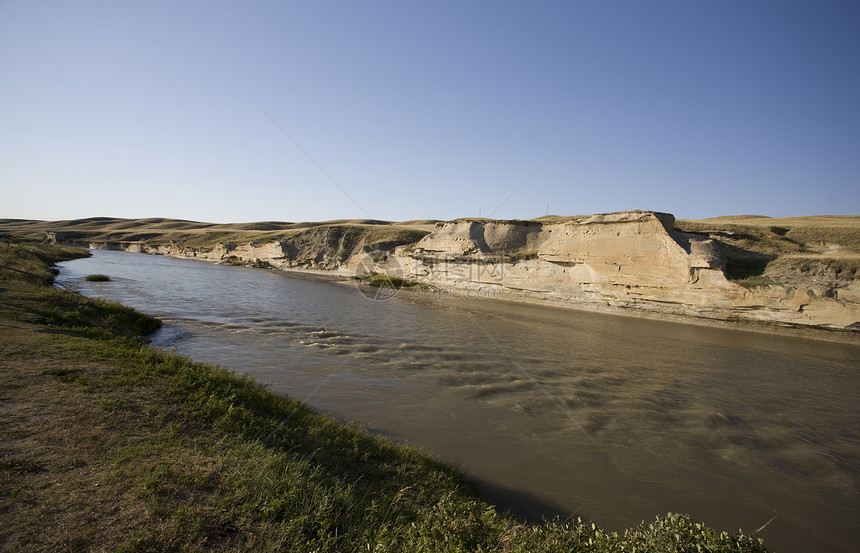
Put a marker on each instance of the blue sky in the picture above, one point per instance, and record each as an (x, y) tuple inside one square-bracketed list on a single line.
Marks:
[(298, 111)]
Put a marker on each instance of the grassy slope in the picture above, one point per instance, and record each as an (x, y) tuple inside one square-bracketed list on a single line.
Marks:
[(203, 235), (790, 249), (109, 444)]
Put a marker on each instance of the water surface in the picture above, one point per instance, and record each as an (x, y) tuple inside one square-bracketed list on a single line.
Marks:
[(613, 418)]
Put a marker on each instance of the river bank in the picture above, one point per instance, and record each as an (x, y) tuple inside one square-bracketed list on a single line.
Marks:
[(443, 297), (613, 418), (111, 444), (405, 290), (780, 273)]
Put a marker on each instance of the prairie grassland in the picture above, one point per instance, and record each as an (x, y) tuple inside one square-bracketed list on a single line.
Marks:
[(793, 250), (194, 234)]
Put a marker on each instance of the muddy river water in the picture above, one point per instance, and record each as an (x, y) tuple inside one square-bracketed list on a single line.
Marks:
[(553, 411)]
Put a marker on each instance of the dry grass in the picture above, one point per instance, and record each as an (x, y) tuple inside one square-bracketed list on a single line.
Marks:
[(788, 249), (196, 234), (784, 235), (850, 221)]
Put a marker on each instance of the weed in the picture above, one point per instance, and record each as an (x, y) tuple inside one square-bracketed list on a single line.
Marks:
[(98, 278)]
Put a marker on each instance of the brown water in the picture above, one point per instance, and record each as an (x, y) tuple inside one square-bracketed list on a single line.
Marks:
[(554, 411)]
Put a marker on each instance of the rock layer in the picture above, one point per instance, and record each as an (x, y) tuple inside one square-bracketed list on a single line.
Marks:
[(620, 260), (628, 260)]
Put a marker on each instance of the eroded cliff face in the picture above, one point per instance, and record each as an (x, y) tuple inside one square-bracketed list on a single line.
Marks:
[(628, 260), (621, 249), (623, 260), (332, 248)]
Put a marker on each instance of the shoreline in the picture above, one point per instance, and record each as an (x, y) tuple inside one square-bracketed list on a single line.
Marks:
[(799, 279), (152, 450), (832, 335)]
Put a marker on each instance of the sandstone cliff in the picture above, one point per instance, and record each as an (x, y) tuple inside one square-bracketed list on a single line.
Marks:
[(619, 261)]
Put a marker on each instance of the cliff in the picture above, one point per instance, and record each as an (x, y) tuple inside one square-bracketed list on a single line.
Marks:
[(636, 260), (629, 260)]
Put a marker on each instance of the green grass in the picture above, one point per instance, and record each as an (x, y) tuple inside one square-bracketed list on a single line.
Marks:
[(168, 454), (94, 317), (98, 278), (377, 279), (31, 260)]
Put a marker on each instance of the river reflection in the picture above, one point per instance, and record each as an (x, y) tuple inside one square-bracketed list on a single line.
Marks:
[(555, 411)]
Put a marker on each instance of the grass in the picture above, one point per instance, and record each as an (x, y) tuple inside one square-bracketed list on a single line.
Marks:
[(776, 237), (205, 236), (768, 240), (763, 251), (847, 267), (756, 281), (31, 261), (113, 445), (380, 280)]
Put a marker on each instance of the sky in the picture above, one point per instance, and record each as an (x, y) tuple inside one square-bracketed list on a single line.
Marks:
[(397, 110)]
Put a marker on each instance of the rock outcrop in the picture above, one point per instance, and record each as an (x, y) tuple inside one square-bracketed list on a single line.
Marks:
[(628, 257), (629, 260), (619, 261)]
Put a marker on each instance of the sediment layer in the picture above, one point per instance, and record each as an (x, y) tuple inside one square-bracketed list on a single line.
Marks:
[(634, 260)]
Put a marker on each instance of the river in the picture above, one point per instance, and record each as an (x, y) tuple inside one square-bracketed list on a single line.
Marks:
[(554, 411)]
